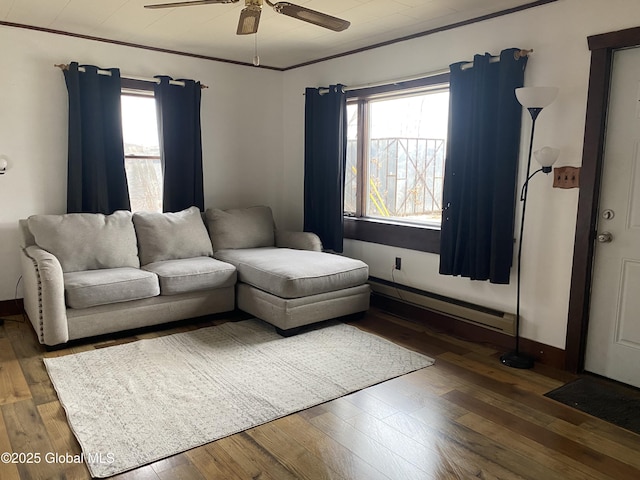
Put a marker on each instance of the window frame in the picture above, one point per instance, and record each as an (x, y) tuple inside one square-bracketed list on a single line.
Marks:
[(139, 88), (425, 238)]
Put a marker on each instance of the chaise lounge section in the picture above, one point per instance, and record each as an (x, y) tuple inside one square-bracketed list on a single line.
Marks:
[(284, 278)]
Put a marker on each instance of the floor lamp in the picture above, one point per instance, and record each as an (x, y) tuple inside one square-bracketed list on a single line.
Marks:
[(534, 99)]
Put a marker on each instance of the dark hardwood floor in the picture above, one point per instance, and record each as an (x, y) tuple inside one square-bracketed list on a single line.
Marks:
[(465, 417)]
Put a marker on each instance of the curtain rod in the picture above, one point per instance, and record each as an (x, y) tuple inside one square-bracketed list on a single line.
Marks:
[(516, 55), (63, 66)]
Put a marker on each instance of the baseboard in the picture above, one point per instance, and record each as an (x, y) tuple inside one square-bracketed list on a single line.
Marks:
[(479, 315), (543, 354), (11, 307)]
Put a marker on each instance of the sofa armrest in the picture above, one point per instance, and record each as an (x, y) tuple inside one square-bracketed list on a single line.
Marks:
[(298, 240), (44, 295)]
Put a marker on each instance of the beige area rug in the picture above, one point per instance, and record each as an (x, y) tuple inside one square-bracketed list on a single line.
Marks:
[(133, 404)]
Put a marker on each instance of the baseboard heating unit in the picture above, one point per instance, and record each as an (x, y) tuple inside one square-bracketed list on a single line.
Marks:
[(468, 312)]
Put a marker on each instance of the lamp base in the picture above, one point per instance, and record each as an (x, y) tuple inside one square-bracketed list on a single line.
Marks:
[(516, 360)]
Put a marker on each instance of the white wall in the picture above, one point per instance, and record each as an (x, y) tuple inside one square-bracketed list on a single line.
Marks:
[(558, 34), (241, 128)]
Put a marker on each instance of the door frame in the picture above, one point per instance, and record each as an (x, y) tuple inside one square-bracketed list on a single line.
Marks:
[(602, 47)]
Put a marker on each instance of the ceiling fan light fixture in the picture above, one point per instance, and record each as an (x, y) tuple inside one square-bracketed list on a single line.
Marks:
[(249, 20)]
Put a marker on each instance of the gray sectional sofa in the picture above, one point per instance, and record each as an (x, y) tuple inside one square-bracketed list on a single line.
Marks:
[(90, 274)]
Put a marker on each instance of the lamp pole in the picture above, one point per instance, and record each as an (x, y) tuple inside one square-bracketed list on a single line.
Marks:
[(515, 359), (534, 99)]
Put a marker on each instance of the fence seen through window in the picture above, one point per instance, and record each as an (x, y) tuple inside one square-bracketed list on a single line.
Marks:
[(403, 157)]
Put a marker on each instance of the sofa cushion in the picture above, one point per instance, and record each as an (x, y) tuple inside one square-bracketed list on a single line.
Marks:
[(87, 241), (291, 273), (101, 287), (241, 228), (191, 274), (171, 236)]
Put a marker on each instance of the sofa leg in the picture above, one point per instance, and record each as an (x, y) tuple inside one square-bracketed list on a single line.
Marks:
[(356, 316), (56, 348), (289, 332)]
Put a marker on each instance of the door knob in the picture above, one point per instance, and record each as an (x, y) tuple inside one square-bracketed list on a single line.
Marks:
[(605, 237)]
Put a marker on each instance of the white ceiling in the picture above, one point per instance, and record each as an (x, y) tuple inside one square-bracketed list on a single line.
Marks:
[(209, 30)]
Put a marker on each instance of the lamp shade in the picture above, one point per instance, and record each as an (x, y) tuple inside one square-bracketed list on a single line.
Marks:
[(536, 97), (547, 156)]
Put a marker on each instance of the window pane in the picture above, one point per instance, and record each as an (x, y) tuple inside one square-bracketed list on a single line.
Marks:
[(144, 177), (407, 143), (142, 152), (140, 126), (351, 172)]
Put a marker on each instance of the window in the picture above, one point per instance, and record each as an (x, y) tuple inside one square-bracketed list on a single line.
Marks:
[(142, 150), (396, 144)]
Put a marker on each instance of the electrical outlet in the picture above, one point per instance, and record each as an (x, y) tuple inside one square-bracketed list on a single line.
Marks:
[(566, 177), (398, 263)]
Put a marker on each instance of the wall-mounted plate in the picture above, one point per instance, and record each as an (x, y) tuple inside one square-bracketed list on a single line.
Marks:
[(566, 177)]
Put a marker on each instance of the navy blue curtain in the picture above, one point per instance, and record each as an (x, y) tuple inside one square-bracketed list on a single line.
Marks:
[(325, 154), (178, 111), (96, 176), (480, 177)]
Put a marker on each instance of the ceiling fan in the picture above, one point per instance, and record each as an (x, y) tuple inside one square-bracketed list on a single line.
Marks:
[(250, 15)]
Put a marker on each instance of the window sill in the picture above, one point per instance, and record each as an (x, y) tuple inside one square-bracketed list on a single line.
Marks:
[(393, 234)]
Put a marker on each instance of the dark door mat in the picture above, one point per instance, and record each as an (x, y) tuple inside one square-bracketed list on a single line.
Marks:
[(607, 400)]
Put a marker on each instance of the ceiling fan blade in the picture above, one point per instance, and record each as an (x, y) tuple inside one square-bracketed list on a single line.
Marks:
[(249, 20), (188, 4), (307, 15)]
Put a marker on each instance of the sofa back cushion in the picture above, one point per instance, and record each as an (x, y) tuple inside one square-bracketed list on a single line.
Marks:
[(87, 241), (171, 236), (251, 227)]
